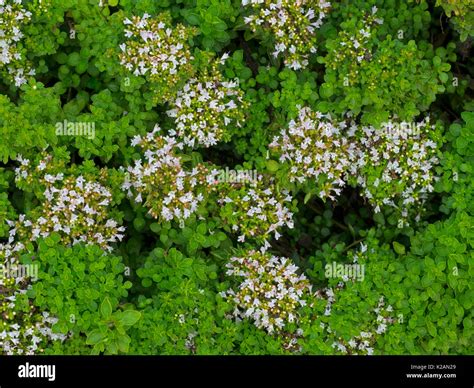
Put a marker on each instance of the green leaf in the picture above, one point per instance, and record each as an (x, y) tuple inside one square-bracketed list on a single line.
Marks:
[(192, 18), (155, 227), (112, 347), (95, 337), (147, 282), (443, 77), (130, 317), (73, 59), (139, 223), (106, 308), (123, 342), (272, 165), (326, 90), (399, 248), (202, 229)]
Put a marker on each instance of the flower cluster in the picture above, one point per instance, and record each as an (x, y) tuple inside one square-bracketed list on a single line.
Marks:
[(314, 147), (271, 291), (206, 106), (354, 47), (292, 24), (73, 207), (161, 181), (362, 344), (158, 51), (12, 16), (255, 209), (394, 165), (23, 330)]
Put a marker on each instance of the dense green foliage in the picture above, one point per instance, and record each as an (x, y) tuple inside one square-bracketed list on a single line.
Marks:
[(236, 177)]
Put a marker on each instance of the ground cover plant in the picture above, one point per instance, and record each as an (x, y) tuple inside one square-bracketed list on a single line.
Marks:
[(236, 177)]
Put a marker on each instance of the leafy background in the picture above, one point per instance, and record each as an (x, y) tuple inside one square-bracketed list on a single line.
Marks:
[(159, 291)]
